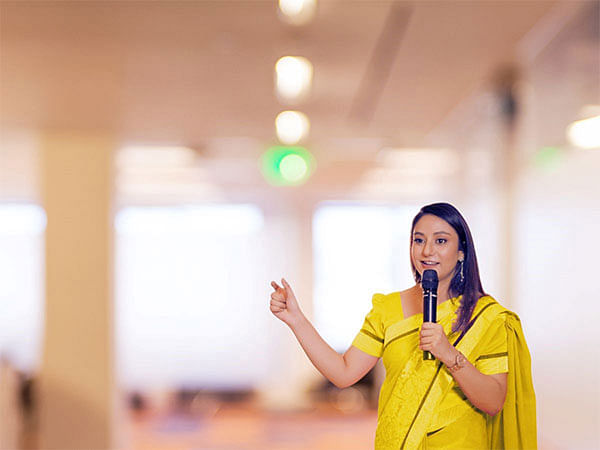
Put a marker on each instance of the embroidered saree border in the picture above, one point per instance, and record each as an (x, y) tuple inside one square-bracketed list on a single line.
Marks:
[(492, 355), (371, 335), (400, 336)]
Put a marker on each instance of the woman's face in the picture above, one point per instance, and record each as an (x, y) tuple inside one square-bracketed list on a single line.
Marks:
[(435, 246)]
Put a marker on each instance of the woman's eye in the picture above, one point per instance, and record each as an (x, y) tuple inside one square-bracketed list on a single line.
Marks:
[(417, 240), (441, 241)]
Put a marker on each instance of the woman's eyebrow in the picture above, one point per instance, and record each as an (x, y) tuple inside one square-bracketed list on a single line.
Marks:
[(437, 232)]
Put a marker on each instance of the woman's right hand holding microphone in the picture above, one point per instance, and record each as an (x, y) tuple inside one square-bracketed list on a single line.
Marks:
[(284, 305)]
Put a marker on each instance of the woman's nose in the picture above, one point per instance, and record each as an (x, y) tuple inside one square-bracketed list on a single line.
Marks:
[(427, 249)]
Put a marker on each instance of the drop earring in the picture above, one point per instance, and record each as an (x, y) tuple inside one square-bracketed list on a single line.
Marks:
[(462, 277)]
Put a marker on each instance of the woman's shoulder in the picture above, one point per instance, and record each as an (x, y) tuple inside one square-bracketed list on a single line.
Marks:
[(382, 299), (502, 321), (495, 310), (391, 303)]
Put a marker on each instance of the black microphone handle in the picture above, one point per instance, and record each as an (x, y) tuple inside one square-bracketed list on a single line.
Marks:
[(429, 314)]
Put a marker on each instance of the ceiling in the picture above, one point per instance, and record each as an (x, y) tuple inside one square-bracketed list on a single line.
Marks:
[(201, 73)]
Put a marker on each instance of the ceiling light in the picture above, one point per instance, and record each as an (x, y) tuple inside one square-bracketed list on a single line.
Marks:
[(293, 168), (291, 126), (585, 133), (297, 12), (287, 166), (293, 77)]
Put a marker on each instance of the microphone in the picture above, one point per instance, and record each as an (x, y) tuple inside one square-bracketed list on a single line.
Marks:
[(429, 283)]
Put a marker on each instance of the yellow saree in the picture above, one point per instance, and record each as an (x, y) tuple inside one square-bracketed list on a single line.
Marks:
[(421, 406)]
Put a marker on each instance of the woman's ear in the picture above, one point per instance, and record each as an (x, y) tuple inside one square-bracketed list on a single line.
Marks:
[(461, 255)]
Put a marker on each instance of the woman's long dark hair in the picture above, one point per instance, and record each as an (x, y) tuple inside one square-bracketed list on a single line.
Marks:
[(471, 288)]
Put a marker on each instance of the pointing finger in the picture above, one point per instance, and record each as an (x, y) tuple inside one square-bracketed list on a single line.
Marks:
[(275, 285), (285, 284)]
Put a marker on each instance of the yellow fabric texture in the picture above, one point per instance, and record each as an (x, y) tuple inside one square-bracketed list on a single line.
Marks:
[(420, 404)]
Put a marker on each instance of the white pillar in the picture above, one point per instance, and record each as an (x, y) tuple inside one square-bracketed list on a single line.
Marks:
[(289, 227)]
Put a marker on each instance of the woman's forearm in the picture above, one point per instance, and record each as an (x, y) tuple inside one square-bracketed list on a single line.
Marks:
[(327, 361), (484, 391)]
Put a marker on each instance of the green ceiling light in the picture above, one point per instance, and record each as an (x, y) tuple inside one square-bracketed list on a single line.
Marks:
[(287, 166)]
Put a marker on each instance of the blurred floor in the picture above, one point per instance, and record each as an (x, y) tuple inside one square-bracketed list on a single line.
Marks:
[(245, 427)]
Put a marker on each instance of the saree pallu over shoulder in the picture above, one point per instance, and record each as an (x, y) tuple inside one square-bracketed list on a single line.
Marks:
[(421, 386), (515, 426)]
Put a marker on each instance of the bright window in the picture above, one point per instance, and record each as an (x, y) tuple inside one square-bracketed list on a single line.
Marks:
[(188, 309), (21, 283), (359, 250)]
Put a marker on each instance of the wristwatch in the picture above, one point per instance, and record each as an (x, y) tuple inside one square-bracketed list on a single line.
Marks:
[(459, 362)]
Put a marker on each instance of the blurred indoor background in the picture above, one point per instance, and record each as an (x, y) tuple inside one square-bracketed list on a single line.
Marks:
[(162, 161)]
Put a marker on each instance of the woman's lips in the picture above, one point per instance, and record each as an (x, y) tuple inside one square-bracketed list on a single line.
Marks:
[(428, 266)]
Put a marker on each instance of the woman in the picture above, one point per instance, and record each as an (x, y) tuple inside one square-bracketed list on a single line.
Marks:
[(477, 393)]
